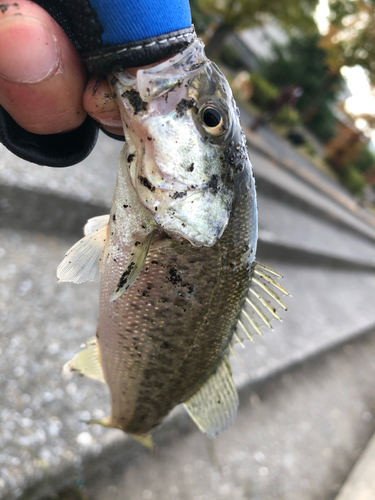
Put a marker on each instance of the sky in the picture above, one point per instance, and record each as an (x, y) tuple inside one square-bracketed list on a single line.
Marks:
[(361, 101)]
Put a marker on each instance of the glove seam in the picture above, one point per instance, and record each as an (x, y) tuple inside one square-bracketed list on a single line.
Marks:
[(115, 58)]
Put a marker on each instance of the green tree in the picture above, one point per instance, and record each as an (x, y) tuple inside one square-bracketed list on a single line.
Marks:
[(365, 159), (201, 20), (295, 15), (351, 36), (302, 62), (350, 40)]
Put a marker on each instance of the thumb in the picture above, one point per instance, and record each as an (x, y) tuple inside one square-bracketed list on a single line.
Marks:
[(42, 78)]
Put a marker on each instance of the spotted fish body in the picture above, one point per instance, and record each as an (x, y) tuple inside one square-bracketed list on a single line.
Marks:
[(178, 250), (173, 326)]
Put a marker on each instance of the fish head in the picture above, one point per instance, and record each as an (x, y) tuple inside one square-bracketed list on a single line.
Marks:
[(182, 125)]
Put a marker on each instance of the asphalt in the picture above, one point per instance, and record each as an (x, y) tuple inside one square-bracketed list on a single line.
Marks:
[(307, 402)]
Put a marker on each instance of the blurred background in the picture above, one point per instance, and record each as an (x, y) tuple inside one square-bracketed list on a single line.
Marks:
[(303, 74), (307, 69)]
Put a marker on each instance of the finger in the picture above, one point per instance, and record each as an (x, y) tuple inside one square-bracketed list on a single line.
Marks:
[(42, 78), (100, 105)]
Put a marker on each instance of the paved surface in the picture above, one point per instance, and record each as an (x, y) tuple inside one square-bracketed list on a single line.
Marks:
[(269, 452), (361, 482)]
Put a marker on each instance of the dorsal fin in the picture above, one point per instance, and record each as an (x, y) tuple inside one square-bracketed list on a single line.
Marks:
[(214, 407), (87, 361), (81, 261), (260, 304)]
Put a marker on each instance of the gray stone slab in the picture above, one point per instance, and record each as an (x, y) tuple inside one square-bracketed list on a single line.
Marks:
[(360, 484), (296, 437), (43, 323), (91, 181), (291, 161), (282, 149)]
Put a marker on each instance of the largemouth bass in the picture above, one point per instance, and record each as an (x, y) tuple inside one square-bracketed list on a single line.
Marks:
[(179, 282)]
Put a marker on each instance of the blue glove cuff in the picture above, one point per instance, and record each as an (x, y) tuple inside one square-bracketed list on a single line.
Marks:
[(112, 35), (127, 21)]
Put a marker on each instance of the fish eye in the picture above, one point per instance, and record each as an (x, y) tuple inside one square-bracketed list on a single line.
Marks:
[(213, 119)]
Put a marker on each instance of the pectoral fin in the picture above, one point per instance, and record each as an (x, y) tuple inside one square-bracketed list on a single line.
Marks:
[(87, 361), (214, 407), (95, 223), (133, 269), (81, 261)]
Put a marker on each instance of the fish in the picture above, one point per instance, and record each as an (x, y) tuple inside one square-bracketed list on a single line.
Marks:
[(179, 281)]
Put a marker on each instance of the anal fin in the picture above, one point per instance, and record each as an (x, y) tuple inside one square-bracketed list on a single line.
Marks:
[(87, 362), (214, 407)]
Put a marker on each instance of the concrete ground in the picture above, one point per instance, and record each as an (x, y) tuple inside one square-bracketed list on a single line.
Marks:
[(306, 394)]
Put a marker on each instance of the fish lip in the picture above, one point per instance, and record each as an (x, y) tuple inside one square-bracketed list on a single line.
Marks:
[(161, 179)]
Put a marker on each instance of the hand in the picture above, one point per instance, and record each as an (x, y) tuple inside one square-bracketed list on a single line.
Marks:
[(43, 83)]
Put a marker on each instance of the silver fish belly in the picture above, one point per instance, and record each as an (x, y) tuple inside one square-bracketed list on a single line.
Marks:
[(179, 281)]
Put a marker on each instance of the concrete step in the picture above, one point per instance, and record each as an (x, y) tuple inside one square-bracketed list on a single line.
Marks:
[(287, 223), (278, 152), (288, 186), (41, 325), (90, 181), (93, 181), (45, 445)]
